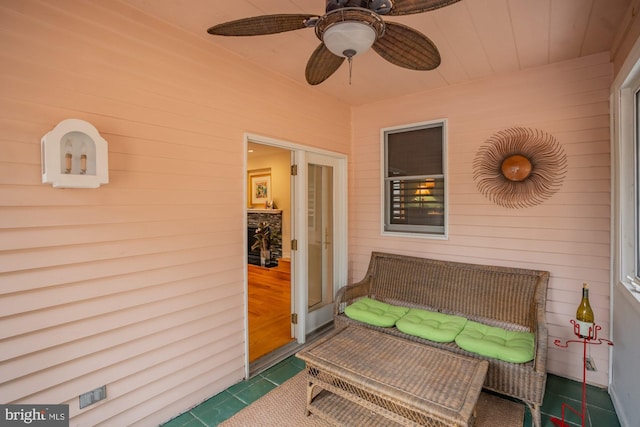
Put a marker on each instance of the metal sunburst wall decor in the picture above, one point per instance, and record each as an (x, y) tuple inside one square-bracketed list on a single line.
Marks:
[(519, 167)]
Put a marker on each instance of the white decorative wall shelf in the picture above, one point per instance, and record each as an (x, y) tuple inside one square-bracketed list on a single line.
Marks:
[(74, 155)]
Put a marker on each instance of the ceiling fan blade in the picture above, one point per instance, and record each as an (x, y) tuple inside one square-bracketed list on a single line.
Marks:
[(261, 25), (408, 7), (407, 48), (321, 65)]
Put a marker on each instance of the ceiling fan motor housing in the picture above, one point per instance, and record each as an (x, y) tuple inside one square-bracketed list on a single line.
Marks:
[(379, 6), (338, 4)]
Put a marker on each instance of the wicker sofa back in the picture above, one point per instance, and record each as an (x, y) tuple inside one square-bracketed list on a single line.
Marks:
[(511, 298)]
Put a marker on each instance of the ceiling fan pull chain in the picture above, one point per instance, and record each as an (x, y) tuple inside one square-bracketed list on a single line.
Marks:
[(349, 54)]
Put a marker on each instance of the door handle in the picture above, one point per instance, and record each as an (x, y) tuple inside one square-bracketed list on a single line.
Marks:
[(326, 238)]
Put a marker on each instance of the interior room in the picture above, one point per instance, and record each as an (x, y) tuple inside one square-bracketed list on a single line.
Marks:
[(268, 276), (143, 156)]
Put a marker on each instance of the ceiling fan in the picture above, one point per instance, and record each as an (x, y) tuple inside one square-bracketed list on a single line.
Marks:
[(349, 28)]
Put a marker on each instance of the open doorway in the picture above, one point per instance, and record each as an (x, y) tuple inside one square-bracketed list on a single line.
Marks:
[(269, 302), (307, 188)]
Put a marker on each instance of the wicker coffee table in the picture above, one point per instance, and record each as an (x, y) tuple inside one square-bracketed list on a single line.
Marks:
[(358, 376)]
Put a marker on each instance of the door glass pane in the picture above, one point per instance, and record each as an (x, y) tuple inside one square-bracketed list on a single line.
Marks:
[(320, 236)]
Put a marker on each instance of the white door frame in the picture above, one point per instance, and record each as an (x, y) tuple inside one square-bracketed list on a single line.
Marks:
[(299, 227)]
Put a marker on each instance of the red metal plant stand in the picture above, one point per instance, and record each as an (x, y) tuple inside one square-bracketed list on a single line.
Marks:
[(592, 339)]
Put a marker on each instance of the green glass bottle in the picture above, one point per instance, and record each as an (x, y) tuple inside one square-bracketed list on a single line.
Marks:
[(584, 315)]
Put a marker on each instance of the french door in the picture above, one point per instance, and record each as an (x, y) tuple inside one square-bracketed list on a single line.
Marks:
[(322, 266), (320, 236)]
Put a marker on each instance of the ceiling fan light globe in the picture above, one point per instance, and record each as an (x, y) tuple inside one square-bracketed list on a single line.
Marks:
[(345, 38)]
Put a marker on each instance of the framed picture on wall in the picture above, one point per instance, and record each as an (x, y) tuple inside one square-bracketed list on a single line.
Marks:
[(260, 188)]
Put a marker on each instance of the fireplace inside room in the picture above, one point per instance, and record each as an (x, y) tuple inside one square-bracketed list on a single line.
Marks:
[(274, 218)]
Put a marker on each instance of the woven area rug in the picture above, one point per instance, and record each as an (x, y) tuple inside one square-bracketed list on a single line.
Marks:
[(285, 406)]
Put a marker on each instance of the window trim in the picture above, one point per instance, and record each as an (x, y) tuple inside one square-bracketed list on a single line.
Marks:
[(635, 88), (383, 196), (624, 164)]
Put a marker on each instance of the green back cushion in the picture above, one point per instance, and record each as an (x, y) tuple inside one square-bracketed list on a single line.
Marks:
[(510, 346), (431, 325), (375, 312)]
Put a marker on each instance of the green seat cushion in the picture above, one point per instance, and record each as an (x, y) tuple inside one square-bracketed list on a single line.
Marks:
[(375, 312), (431, 325), (498, 343)]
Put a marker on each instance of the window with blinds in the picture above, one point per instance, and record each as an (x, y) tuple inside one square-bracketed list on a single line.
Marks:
[(414, 179)]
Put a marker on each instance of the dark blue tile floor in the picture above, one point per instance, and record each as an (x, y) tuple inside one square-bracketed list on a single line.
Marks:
[(600, 412)]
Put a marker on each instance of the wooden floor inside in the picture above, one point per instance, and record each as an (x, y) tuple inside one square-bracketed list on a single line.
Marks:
[(269, 303)]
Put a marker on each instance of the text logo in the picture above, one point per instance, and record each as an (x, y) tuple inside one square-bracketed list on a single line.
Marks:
[(34, 415)]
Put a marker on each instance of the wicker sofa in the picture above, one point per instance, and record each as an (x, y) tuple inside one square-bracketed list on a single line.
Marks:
[(510, 298)]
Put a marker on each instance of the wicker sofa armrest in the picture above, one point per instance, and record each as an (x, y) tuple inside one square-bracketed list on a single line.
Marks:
[(348, 294), (542, 338)]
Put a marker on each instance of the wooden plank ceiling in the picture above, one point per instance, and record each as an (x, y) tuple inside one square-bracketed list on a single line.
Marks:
[(476, 39)]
